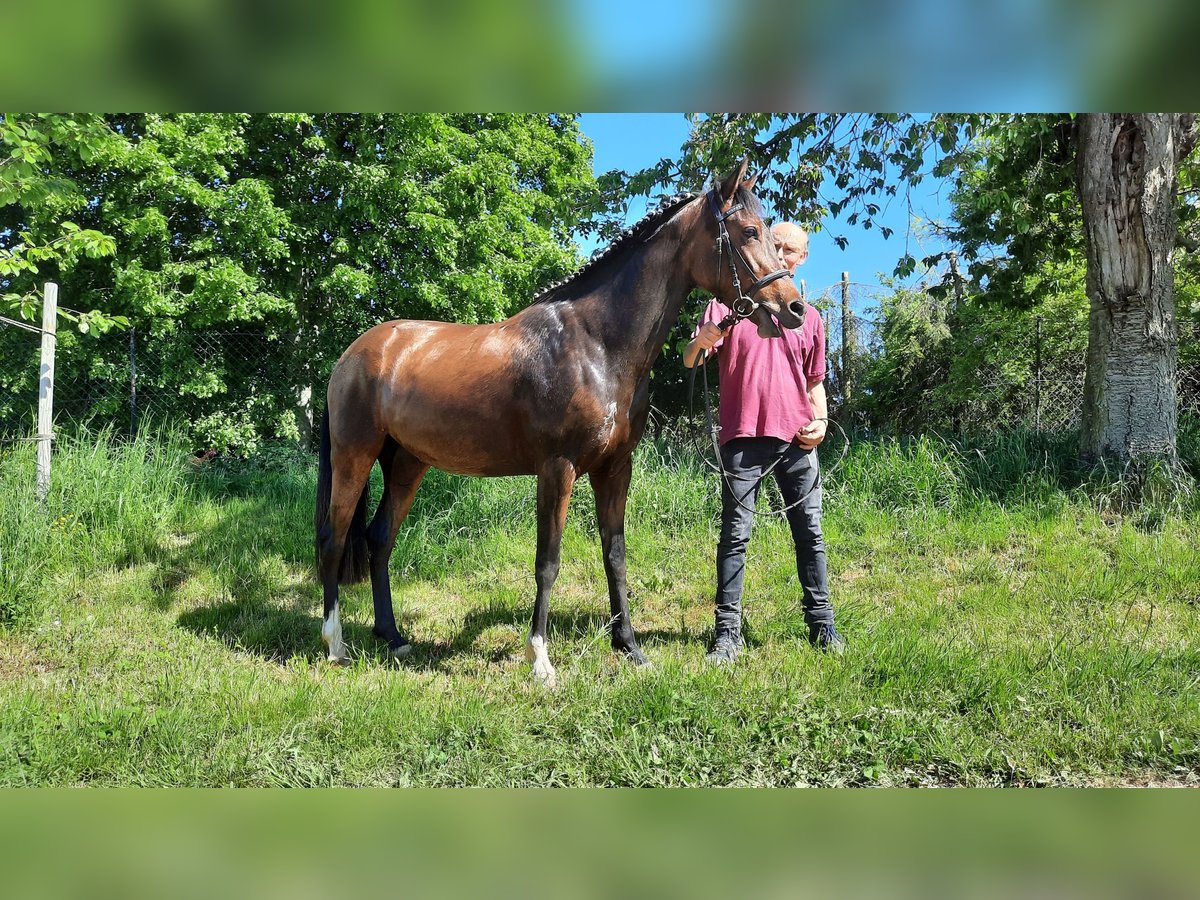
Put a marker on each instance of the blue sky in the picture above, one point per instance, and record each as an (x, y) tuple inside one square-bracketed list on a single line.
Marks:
[(632, 141)]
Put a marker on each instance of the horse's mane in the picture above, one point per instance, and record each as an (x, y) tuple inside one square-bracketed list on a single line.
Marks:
[(633, 235)]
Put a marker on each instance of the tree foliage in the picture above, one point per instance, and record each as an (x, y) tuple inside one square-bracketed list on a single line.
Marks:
[(818, 169), (1016, 213), (39, 203), (312, 226)]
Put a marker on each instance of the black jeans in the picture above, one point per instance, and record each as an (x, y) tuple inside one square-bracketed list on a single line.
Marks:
[(745, 461)]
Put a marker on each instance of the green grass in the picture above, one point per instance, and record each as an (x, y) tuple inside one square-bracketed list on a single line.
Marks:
[(1006, 626)]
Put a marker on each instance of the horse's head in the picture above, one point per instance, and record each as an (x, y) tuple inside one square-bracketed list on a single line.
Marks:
[(744, 268)]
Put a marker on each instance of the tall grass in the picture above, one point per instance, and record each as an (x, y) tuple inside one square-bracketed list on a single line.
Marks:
[(111, 502)]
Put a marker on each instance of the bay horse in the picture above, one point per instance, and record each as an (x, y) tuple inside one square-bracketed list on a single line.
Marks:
[(558, 390)]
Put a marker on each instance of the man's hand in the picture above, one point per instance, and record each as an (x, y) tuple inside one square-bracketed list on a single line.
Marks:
[(811, 434), (708, 335)]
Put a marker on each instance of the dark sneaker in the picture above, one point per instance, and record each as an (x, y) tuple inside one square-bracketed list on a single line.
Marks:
[(725, 651), (825, 637)]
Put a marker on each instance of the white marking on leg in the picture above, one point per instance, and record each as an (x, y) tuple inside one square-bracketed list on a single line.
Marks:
[(535, 652), (331, 633)]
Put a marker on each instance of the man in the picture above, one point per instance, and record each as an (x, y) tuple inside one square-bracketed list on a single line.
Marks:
[(773, 405)]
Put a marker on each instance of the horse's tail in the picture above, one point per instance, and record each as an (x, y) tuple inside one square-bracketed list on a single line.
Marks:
[(355, 564)]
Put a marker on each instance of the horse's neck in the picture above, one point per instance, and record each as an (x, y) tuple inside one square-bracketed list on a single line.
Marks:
[(634, 310)]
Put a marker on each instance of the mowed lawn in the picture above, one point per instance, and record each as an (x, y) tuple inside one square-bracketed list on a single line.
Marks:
[(1006, 623)]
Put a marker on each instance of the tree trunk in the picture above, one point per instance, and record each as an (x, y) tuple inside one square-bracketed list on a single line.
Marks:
[(1127, 185)]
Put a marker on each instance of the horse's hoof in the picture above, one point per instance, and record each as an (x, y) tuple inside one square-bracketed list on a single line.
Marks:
[(545, 676), (543, 670), (637, 657), (400, 651), (337, 659)]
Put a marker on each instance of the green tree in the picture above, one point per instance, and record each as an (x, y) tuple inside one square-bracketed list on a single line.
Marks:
[(1017, 217), (39, 237), (1128, 182), (316, 227), (830, 165), (1047, 195), (896, 382), (456, 217)]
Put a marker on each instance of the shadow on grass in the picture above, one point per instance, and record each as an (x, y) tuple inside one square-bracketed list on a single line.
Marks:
[(279, 632), (275, 633), (572, 625), (248, 556)]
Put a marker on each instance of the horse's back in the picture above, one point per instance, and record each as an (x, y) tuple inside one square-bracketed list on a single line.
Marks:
[(443, 391), (494, 399)]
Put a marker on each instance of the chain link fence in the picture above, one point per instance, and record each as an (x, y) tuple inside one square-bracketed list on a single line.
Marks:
[(228, 389), (238, 389), (951, 371)]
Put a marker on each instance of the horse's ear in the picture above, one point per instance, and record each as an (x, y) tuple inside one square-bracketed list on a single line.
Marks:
[(751, 182), (730, 185)]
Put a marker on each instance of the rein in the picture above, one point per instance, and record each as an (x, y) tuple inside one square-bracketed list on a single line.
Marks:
[(742, 308), (714, 429)]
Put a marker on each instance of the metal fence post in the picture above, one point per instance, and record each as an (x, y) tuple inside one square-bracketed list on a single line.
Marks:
[(133, 382), (1037, 375), (45, 436)]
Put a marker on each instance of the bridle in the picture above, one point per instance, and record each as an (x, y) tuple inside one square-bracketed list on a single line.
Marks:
[(744, 306)]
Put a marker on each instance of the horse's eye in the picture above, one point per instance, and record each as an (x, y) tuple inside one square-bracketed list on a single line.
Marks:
[(751, 232)]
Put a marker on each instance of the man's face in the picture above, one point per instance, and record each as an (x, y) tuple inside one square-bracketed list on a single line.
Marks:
[(793, 249)]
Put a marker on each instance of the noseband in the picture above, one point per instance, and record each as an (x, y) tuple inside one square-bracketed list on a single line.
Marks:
[(745, 305)]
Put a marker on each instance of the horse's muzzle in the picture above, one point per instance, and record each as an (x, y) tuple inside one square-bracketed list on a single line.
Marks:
[(787, 315)]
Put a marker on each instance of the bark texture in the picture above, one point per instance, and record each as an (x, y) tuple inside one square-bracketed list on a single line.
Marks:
[(1127, 185)]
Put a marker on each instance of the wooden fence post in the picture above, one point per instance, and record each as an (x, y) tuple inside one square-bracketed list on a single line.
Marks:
[(133, 410), (956, 278), (45, 424), (847, 340)]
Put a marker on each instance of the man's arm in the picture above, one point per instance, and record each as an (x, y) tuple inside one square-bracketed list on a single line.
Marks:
[(814, 432)]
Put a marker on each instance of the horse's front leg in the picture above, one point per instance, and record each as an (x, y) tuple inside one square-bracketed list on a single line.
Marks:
[(402, 474), (555, 481), (611, 487)]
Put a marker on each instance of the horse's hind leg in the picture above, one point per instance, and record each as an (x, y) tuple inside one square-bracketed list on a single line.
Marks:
[(402, 474), (553, 494), (349, 481)]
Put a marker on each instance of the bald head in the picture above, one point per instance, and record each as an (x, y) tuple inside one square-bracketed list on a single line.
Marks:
[(792, 241)]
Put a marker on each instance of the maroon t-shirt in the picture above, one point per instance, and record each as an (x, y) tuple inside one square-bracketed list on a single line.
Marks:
[(765, 381)]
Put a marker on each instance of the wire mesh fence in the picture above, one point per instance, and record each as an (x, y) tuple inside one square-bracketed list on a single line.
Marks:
[(238, 389), (227, 389), (19, 370), (935, 365)]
